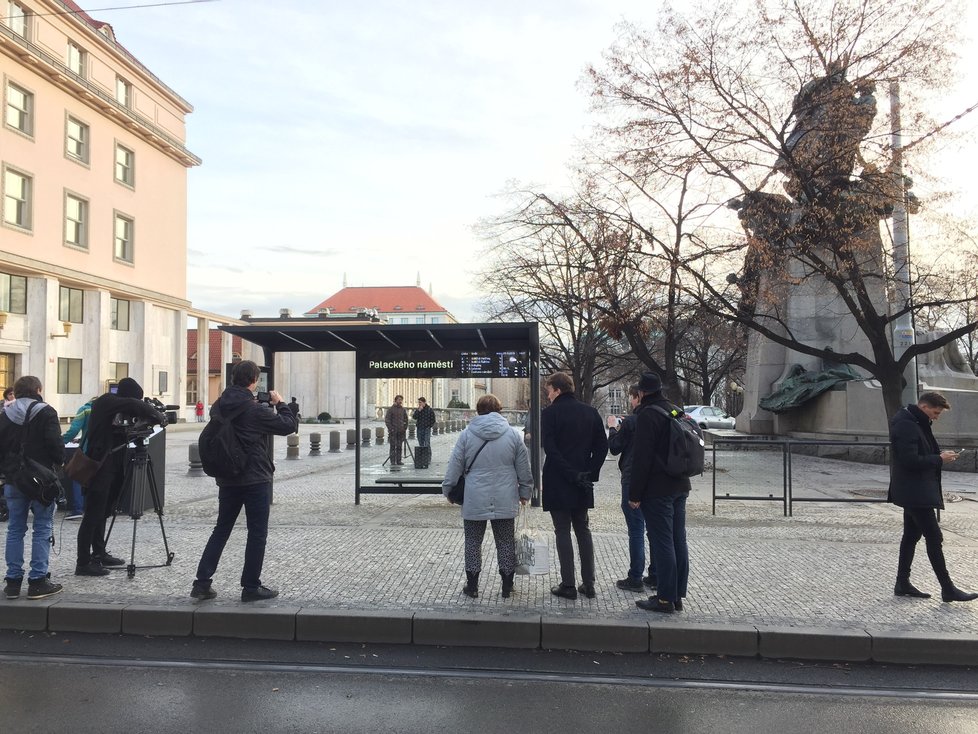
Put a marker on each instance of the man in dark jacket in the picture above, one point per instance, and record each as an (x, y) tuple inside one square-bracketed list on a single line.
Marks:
[(915, 485), (576, 445), (621, 432), (424, 415), (107, 442), (661, 497), (41, 433), (251, 489), (396, 420)]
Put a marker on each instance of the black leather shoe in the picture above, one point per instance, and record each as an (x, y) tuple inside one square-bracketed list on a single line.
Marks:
[(260, 594), (650, 581), (630, 584), (679, 605), (564, 592), (955, 594), (587, 590), (108, 560), (905, 588), (92, 568), (655, 604), (199, 591)]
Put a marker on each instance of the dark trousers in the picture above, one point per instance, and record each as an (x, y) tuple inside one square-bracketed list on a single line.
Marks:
[(255, 500), (665, 520), (563, 521), (921, 522), (100, 501), (397, 447)]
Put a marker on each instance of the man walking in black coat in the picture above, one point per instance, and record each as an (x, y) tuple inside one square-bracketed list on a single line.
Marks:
[(576, 445), (915, 485), (661, 497)]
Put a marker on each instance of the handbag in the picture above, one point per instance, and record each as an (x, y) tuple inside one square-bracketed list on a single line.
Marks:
[(37, 482), (456, 495), (532, 552), (82, 468)]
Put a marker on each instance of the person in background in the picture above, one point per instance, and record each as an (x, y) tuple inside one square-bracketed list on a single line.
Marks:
[(396, 420), (621, 431), (31, 421), (424, 415), (8, 397), (199, 411), (915, 485), (576, 445), (294, 404), (79, 425), (498, 482)]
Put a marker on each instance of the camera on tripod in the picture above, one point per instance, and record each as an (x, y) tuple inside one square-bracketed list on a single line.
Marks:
[(141, 427)]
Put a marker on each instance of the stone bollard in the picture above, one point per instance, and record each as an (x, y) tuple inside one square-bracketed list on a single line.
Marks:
[(334, 442), (351, 438), (366, 436), (196, 468), (439, 428), (292, 446), (411, 431), (315, 439), (380, 436)]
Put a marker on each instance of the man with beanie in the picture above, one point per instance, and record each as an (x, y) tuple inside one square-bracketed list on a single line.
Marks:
[(30, 420), (576, 445), (251, 489), (661, 497), (107, 443)]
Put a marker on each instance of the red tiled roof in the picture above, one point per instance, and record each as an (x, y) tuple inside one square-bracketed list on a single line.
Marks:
[(387, 300), (78, 12), (217, 360)]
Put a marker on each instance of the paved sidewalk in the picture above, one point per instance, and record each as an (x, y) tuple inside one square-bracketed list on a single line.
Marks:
[(825, 575)]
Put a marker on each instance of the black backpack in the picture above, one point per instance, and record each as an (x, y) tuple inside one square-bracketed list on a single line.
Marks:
[(686, 452), (221, 452)]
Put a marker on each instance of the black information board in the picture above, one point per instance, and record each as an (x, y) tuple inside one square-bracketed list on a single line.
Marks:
[(444, 364)]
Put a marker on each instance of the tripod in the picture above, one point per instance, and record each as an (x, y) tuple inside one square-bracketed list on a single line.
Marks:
[(405, 450), (138, 480)]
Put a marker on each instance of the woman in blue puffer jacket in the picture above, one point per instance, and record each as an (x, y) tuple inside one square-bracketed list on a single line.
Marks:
[(499, 480)]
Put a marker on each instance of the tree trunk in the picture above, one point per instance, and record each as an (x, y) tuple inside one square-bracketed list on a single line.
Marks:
[(892, 383)]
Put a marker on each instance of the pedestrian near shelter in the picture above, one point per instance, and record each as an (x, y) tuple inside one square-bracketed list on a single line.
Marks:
[(486, 350)]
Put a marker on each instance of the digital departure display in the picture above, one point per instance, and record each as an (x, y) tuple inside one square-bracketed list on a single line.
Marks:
[(514, 364)]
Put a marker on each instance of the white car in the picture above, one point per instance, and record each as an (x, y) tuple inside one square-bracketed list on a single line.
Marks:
[(707, 416)]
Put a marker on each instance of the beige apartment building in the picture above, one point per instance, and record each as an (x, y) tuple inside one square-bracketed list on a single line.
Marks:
[(93, 233)]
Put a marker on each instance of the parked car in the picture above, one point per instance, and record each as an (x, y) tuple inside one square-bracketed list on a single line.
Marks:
[(707, 416)]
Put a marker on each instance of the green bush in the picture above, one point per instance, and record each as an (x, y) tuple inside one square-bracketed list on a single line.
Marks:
[(456, 403), (324, 417)]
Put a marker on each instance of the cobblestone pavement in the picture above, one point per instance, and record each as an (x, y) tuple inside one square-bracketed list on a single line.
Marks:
[(830, 565)]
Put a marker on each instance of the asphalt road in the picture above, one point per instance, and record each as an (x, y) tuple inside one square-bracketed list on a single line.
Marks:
[(94, 683)]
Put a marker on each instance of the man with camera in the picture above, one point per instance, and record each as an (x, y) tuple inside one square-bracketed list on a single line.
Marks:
[(31, 423), (576, 445), (108, 443), (252, 423)]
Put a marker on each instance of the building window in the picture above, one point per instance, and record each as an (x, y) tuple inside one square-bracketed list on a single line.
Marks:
[(76, 59), (123, 92), (20, 109), (70, 307), (76, 139), (17, 190), (69, 376), (13, 293), (123, 238), (76, 221), (120, 314), (18, 19), (118, 371), (163, 383), (125, 166), (191, 390), (419, 320)]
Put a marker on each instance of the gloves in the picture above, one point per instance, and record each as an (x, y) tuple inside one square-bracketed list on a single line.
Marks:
[(584, 482)]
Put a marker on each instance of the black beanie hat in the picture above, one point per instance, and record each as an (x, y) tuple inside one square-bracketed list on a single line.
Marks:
[(129, 388)]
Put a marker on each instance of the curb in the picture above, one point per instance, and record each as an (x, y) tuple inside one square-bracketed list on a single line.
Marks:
[(521, 630)]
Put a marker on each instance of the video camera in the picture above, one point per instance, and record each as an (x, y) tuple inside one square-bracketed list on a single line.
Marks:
[(140, 425)]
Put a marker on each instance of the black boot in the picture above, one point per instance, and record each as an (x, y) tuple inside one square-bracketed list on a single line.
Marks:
[(905, 588), (471, 587), (507, 584), (953, 593)]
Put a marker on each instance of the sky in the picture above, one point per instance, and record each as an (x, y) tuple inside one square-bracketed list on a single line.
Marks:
[(364, 140)]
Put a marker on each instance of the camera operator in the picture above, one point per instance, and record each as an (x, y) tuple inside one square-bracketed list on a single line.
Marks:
[(106, 433)]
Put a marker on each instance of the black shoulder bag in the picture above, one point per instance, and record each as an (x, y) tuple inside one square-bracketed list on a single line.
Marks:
[(456, 495), (37, 482)]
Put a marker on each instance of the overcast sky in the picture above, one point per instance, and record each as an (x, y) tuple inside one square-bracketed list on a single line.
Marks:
[(364, 138)]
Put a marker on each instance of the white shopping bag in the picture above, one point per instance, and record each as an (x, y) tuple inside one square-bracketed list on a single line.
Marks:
[(532, 552)]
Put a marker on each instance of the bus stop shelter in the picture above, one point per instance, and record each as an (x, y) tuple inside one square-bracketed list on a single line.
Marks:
[(490, 350)]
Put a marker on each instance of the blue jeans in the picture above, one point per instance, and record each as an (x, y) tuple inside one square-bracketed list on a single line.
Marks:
[(18, 506), (665, 519), (77, 499), (254, 498), (424, 436), (635, 521)]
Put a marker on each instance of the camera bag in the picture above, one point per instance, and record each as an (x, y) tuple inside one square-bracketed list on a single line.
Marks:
[(82, 468), (37, 482)]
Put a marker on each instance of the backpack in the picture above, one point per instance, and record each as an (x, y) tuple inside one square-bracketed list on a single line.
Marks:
[(221, 452), (686, 452)]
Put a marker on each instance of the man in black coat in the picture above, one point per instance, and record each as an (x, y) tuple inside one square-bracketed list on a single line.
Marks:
[(576, 445), (251, 489), (661, 497), (107, 442), (915, 485), (27, 417)]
